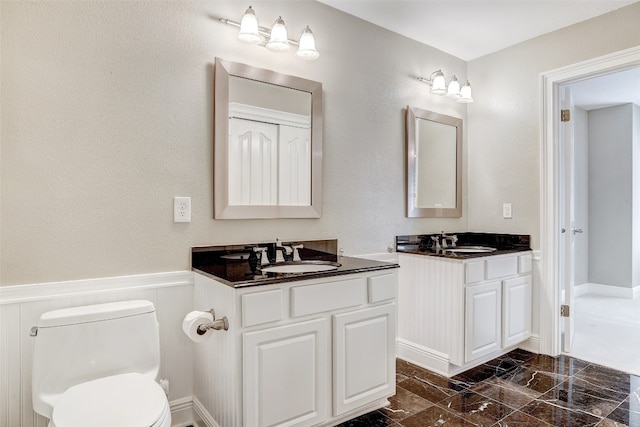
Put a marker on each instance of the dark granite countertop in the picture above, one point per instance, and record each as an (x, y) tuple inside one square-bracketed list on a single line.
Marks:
[(422, 244), (236, 265)]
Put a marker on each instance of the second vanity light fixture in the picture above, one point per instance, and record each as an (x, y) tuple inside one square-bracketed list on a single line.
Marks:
[(275, 39), (449, 86)]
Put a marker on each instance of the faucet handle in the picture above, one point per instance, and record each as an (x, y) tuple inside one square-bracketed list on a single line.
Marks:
[(436, 239), (296, 254), (264, 259)]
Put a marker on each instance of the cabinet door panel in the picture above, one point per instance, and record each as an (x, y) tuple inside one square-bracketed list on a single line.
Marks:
[(516, 326), (363, 357), (483, 306), (285, 375)]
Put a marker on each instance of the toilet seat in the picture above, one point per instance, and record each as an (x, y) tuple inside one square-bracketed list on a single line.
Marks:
[(126, 400)]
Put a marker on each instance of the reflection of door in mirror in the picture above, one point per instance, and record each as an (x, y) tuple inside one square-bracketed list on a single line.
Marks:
[(268, 144), (269, 157), (434, 165)]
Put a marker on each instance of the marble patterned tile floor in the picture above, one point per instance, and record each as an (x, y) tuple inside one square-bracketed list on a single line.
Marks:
[(519, 389)]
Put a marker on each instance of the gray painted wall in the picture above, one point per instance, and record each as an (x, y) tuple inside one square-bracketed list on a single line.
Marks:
[(107, 114), (611, 195)]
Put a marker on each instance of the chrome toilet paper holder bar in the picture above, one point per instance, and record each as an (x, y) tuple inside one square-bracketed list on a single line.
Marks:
[(216, 324)]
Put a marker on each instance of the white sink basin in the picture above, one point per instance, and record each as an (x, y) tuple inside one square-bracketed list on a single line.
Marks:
[(471, 249), (300, 267)]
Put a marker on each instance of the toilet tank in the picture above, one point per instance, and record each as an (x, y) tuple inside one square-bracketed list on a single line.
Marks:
[(80, 344)]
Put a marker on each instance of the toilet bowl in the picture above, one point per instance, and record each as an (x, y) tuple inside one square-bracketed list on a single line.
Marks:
[(127, 400), (97, 365)]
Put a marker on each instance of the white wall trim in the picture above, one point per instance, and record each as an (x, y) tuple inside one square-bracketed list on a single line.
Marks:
[(182, 413), (74, 288), (532, 344), (202, 414), (422, 356), (606, 290), (550, 192)]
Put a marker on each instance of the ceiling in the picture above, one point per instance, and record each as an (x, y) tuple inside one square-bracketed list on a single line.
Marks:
[(469, 29)]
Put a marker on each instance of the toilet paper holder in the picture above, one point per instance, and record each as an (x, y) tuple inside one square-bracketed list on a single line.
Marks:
[(217, 324)]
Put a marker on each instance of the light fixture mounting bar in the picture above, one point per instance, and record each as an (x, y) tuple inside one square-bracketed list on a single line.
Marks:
[(263, 31)]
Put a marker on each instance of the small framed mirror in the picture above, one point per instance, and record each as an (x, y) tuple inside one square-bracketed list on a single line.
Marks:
[(434, 164), (268, 144)]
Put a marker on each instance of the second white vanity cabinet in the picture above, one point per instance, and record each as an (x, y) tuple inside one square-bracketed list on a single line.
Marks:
[(457, 313), (302, 353)]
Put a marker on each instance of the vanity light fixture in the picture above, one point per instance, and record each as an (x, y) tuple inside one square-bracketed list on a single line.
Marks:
[(449, 86), (275, 39)]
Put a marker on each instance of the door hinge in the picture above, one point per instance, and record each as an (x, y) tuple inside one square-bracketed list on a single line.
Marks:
[(564, 311), (565, 115)]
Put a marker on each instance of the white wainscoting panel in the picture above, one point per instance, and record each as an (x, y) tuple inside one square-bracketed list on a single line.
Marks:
[(21, 307), (429, 290), (218, 382)]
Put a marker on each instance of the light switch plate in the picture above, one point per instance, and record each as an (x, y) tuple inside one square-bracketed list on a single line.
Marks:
[(507, 211), (182, 209)]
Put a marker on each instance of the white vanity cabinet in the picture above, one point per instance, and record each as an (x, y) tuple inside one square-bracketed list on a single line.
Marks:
[(457, 313), (305, 353)]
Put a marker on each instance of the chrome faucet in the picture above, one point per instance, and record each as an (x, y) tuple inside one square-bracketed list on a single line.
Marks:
[(283, 251), (441, 241), (453, 240)]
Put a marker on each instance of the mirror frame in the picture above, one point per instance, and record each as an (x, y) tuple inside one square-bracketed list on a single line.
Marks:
[(414, 211), (222, 209)]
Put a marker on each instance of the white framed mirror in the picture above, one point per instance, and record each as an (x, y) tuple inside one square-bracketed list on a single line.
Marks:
[(268, 144), (434, 164)]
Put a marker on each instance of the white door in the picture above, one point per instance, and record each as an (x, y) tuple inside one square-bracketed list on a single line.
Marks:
[(285, 375), (483, 320), (363, 357), (567, 237)]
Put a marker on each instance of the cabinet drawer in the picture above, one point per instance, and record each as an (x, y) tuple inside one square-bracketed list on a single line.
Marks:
[(474, 272), (501, 267), (382, 288), (261, 307), (311, 299), (525, 264)]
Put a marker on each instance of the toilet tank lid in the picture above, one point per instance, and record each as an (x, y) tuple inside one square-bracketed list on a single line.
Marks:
[(95, 313)]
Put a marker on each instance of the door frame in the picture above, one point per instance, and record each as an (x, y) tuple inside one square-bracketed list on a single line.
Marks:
[(550, 188)]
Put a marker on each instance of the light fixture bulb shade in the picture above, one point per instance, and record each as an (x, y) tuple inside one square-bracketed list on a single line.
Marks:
[(307, 45), (438, 83), (279, 40), (465, 94), (453, 90), (249, 27)]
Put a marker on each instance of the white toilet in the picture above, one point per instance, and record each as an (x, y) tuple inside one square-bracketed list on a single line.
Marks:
[(96, 365)]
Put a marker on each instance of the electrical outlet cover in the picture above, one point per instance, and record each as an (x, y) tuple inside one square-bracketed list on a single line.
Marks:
[(182, 209)]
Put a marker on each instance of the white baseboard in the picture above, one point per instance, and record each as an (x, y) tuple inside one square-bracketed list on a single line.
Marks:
[(182, 414), (439, 362), (202, 416), (422, 356), (606, 291), (532, 344)]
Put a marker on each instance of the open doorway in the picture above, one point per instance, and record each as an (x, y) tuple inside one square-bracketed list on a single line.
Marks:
[(605, 230), (557, 227)]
